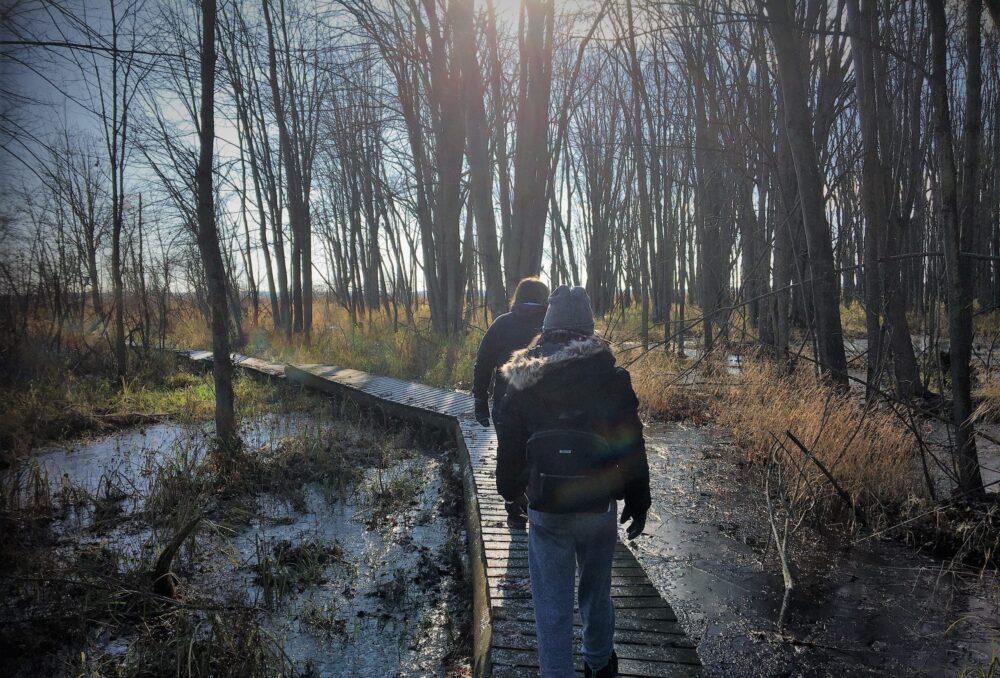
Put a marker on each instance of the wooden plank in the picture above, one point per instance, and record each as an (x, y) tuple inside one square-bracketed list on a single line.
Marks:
[(511, 633), (638, 617), (679, 671), (641, 651), (623, 623), (523, 660)]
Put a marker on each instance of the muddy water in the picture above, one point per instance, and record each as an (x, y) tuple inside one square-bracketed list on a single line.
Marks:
[(133, 453), (873, 608), (388, 600), (381, 611)]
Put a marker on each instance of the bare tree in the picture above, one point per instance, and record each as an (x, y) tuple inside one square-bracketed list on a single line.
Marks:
[(798, 127), (531, 152), (208, 241), (957, 217)]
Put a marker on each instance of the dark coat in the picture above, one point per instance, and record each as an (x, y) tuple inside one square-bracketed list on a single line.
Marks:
[(554, 385), (508, 333)]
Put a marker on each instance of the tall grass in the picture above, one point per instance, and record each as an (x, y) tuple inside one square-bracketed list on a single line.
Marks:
[(53, 401), (625, 324), (853, 319), (662, 384), (379, 345), (374, 344), (25, 489), (870, 453)]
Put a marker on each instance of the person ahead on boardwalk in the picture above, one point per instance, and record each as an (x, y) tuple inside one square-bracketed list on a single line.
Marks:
[(508, 333), (570, 436)]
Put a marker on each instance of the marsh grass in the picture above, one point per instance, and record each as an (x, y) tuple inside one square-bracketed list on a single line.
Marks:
[(54, 402), (281, 566), (376, 344), (192, 642), (180, 484), (967, 535), (380, 345), (853, 320), (387, 493), (394, 590), (409, 353), (986, 324), (24, 490), (987, 394), (988, 669), (113, 489), (270, 575), (662, 385), (870, 453), (620, 324), (325, 618), (327, 458)]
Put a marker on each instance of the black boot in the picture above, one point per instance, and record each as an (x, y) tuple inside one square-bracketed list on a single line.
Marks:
[(609, 671)]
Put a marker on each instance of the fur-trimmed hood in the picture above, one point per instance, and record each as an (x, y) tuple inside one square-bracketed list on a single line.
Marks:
[(526, 367)]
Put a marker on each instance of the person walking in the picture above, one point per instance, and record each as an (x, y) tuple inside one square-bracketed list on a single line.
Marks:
[(570, 436), (508, 333)]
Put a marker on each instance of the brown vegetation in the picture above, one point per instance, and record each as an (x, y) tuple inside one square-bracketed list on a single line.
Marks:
[(871, 454)]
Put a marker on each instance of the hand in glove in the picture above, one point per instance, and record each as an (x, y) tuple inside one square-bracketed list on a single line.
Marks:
[(482, 413), (638, 521), (517, 512)]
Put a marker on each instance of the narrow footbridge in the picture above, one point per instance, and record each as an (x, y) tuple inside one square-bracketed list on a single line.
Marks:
[(648, 639)]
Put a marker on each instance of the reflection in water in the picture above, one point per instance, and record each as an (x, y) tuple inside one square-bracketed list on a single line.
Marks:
[(388, 602), (876, 608)]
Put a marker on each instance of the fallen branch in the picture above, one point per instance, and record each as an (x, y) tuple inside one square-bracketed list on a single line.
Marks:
[(164, 581), (858, 514)]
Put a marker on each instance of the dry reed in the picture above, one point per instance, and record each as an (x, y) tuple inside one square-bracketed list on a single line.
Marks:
[(662, 385), (872, 456)]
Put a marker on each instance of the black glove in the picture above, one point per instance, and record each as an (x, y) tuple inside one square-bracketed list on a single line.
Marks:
[(482, 412), (638, 521), (517, 512)]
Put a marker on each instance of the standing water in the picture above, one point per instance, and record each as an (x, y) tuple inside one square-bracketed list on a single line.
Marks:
[(869, 608), (334, 549)]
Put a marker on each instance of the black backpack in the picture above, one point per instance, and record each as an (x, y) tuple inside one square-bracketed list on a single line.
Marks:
[(571, 471)]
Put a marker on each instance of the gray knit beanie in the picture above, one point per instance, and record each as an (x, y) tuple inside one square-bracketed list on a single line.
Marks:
[(569, 309)]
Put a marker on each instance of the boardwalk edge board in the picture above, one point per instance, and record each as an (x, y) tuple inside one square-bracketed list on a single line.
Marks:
[(496, 553)]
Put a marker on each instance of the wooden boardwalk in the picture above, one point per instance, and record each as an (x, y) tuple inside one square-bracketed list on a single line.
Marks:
[(648, 639)]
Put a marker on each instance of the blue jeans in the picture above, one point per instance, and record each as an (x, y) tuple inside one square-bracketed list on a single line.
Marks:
[(557, 545)]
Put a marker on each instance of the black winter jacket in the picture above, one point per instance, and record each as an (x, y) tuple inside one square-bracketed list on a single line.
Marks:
[(548, 387), (508, 333)]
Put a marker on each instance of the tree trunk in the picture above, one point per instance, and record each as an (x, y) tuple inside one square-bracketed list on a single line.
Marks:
[(882, 288), (208, 243), (298, 211), (953, 222), (477, 151), (531, 153), (645, 206), (826, 303)]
